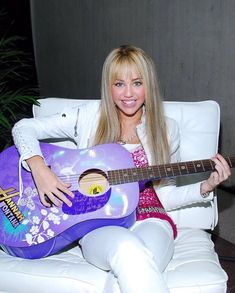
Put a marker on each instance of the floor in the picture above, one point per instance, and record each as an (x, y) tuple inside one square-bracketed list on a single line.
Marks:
[(226, 252)]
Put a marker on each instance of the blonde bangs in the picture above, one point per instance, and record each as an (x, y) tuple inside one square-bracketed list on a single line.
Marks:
[(122, 68)]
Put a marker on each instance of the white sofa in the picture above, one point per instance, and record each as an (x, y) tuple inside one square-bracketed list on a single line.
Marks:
[(195, 266)]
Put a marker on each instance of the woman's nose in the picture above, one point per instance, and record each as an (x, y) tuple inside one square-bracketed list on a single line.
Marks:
[(128, 91)]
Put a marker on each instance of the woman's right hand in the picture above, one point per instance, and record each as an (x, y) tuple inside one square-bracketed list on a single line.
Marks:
[(50, 188)]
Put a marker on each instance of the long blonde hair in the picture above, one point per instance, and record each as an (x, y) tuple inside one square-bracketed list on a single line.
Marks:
[(109, 126)]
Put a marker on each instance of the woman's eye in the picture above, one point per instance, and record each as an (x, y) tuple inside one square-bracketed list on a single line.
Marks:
[(118, 84), (138, 83)]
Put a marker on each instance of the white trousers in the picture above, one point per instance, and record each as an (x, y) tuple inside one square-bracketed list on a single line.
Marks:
[(135, 257)]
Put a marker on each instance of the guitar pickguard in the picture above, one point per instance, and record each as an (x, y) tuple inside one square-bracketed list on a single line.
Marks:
[(86, 204)]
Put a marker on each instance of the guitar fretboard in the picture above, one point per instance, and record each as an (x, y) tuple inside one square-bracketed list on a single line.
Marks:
[(163, 171)]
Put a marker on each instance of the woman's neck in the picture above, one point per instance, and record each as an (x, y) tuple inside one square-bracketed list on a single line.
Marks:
[(127, 120), (128, 128)]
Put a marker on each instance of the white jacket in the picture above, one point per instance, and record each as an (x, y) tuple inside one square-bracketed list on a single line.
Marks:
[(79, 124)]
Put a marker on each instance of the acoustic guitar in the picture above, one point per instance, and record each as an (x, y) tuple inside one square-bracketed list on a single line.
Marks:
[(105, 184)]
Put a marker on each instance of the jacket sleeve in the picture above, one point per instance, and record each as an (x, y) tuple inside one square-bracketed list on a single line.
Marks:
[(27, 132), (171, 195)]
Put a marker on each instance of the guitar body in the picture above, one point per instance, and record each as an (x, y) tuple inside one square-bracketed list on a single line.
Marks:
[(30, 230)]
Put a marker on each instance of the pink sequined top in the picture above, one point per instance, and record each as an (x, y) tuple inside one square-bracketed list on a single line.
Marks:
[(149, 205)]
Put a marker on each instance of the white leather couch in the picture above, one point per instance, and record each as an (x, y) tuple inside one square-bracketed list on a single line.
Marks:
[(195, 266)]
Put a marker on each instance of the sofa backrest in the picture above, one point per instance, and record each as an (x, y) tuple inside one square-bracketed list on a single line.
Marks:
[(199, 132)]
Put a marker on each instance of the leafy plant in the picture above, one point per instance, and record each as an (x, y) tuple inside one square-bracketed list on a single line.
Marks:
[(16, 96)]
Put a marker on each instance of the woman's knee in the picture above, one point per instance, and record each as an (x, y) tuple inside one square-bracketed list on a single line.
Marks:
[(127, 248), (106, 244)]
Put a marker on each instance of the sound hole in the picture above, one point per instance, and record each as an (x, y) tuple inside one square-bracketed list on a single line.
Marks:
[(93, 182)]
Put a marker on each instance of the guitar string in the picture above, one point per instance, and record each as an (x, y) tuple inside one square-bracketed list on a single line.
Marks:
[(168, 168)]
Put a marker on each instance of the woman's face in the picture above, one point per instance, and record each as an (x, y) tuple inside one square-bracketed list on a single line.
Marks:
[(128, 92)]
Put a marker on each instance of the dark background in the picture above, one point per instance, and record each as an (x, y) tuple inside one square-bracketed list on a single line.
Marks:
[(17, 21)]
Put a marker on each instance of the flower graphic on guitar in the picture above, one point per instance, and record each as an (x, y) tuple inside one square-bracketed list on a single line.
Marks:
[(42, 225), (27, 198)]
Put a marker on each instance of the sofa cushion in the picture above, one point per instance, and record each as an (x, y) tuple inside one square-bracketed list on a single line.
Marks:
[(194, 268)]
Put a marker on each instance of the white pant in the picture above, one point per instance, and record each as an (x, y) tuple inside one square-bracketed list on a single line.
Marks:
[(135, 258)]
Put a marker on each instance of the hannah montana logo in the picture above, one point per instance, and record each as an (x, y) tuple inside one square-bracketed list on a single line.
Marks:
[(9, 207)]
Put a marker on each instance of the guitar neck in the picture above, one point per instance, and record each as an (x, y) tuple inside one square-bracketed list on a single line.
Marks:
[(163, 171)]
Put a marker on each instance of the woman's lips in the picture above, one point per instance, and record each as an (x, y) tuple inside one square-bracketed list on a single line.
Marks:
[(129, 103)]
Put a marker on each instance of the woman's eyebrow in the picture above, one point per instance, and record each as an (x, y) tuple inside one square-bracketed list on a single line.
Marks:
[(119, 79), (134, 79)]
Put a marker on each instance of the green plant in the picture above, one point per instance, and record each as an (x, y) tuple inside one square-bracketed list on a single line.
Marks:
[(16, 96)]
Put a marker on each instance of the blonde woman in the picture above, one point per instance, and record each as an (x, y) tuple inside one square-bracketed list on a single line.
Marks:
[(130, 113)]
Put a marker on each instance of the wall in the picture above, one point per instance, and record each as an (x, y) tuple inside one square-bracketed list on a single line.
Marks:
[(192, 43)]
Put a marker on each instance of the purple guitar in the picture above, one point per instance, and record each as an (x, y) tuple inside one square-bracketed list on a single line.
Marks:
[(104, 182)]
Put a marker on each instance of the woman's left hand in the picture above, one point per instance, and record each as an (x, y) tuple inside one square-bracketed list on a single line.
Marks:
[(221, 173)]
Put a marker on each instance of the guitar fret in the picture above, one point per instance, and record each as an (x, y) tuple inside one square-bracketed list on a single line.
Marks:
[(203, 166), (112, 177), (176, 169), (172, 170), (194, 166), (129, 173), (159, 171), (162, 171), (151, 174), (119, 175), (169, 170), (212, 165), (179, 169), (186, 165), (183, 168), (141, 173), (133, 175), (125, 176), (199, 166), (164, 168)]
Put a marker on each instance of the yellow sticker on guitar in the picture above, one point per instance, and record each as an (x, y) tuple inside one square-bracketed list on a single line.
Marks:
[(95, 189)]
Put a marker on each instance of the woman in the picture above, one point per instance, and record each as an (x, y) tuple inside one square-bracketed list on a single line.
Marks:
[(130, 113)]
